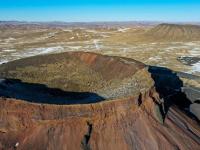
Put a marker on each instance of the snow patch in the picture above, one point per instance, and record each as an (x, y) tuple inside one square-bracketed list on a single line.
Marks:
[(48, 50), (52, 34), (96, 44), (92, 31), (2, 61), (125, 50), (10, 39), (195, 52), (190, 44), (155, 58), (9, 50), (123, 29), (67, 30), (74, 47), (196, 67)]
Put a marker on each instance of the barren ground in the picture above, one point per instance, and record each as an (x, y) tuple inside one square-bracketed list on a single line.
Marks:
[(133, 42)]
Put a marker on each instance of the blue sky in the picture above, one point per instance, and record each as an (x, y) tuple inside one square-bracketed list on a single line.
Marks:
[(100, 10)]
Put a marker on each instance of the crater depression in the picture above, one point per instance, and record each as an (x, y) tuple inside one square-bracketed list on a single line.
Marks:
[(71, 78)]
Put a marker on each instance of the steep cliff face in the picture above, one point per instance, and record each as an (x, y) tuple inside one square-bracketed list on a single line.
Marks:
[(133, 117), (120, 124)]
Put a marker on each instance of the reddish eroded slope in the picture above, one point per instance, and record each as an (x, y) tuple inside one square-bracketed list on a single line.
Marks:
[(119, 124), (134, 118), (121, 67)]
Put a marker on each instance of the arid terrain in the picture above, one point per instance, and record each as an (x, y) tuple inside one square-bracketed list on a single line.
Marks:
[(99, 86), (164, 45)]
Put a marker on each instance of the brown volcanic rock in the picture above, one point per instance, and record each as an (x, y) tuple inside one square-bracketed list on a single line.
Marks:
[(132, 117)]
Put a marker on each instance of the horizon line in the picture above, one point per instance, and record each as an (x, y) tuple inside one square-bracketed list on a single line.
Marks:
[(99, 21)]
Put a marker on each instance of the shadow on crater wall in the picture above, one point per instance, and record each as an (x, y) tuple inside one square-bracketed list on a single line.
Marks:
[(40, 93), (169, 86)]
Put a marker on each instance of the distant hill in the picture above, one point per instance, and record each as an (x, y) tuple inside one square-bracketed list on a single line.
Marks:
[(106, 24), (160, 33), (174, 32)]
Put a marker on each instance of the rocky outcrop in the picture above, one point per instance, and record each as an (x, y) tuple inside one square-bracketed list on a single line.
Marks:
[(133, 113)]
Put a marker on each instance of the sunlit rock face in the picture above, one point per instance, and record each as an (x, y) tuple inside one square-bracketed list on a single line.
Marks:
[(80, 100)]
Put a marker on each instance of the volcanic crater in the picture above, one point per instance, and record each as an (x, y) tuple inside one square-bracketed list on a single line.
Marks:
[(80, 100), (73, 78)]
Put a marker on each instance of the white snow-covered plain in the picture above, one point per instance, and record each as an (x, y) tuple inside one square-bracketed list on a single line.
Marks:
[(14, 55)]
